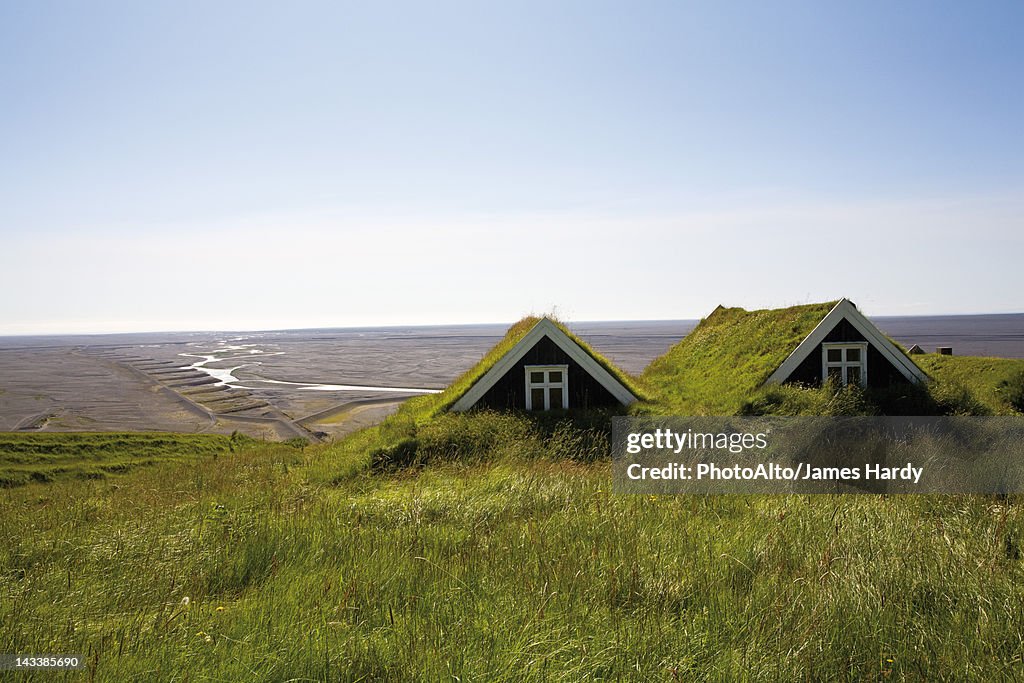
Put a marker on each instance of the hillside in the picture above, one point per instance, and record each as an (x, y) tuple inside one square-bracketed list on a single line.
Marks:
[(258, 566), (27, 457)]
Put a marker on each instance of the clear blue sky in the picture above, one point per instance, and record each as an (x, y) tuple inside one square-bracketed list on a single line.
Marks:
[(197, 165)]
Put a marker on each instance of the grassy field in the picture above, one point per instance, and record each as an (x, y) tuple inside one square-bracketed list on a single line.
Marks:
[(503, 557), (45, 457)]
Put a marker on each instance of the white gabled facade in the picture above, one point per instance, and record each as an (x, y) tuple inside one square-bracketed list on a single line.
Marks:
[(845, 310), (544, 328)]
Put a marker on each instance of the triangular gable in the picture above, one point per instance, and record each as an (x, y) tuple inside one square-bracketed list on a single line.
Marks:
[(845, 310), (544, 328)]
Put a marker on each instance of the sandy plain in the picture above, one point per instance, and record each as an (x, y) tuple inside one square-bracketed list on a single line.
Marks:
[(273, 385)]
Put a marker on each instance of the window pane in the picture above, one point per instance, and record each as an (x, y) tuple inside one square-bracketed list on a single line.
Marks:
[(853, 375), (536, 378), (836, 374), (556, 398), (853, 355), (835, 355), (555, 376), (537, 397)]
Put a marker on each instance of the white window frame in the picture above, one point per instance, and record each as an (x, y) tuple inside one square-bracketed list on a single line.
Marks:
[(547, 385), (844, 364)]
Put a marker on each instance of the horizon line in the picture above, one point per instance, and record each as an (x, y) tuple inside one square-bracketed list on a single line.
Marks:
[(385, 326)]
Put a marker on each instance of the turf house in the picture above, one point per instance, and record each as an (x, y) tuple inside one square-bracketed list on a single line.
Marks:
[(734, 356), (546, 368), (847, 347)]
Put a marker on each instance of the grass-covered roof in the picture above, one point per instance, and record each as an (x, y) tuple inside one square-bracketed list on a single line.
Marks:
[(427, 406), (996, 383), (728, 356)]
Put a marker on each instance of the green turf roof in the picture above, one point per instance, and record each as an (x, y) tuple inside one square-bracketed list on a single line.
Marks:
[(990, 380), (729, 355), (427, 406)]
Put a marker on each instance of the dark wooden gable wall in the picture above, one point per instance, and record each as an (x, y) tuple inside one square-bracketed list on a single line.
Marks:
[(881, 372), (509, 392)]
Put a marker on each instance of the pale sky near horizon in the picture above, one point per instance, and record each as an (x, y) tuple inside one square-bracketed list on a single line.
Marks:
[(229, 165)]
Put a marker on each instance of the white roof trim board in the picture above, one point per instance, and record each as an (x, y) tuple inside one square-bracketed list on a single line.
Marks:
[(544, 328), (846, 309)]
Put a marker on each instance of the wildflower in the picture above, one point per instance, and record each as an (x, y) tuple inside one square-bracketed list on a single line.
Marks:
[(221, 608), (185, 601)]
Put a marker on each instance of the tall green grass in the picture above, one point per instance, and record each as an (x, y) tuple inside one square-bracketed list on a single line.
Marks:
[(497, 562)]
